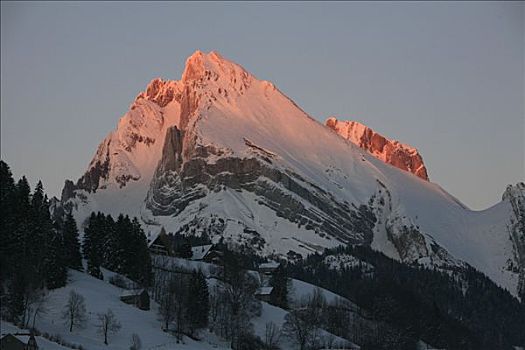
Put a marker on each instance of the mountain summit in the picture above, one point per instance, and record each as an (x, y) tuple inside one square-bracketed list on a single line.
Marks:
[(223, 153)]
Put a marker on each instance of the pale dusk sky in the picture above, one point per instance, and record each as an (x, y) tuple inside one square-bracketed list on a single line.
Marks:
[(445, 77)]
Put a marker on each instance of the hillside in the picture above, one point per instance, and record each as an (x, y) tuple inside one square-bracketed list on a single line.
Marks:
[(100, 296)]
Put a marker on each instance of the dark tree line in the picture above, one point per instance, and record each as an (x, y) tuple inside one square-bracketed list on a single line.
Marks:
[(280, 283), (233, 303), (120, 246), (184, 303), (460, 309), (182, 243), (35, 252)]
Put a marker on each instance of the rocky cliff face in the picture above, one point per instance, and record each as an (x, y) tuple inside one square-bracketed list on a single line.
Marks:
[(392, 152), (177, 183), (515, 195), (131, 151)]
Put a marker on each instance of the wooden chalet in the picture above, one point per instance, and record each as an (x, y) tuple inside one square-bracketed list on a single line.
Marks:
[(268, 268), (138, 298), (18, 342), (266, 271), (207, 253), (199, 253), (264, 294), (161, 245), (213, 256)]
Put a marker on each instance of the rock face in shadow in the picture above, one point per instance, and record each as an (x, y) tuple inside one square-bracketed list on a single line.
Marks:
[(179, 180), (515, 195), (98, 171), (392, 152)]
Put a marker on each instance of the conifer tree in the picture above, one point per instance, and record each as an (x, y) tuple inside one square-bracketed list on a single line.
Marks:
[(15, 297), (182, 247), (129, 249), (141, 251), (40, 231), (7, 184), (73, 258), (56, 271), (120, 246), (47, 245), (31, 250), (23, 192), (19, 268), (111, 243), (7, 220), (121, 238), (279, 282), (21, 232), (37, 200), (198, 301), (91, 247)]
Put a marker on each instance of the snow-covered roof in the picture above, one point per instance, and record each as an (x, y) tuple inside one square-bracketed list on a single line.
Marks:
[(24, 338), (152, 237), (269, 265), (133, 292), (264, 291), (199, 252)]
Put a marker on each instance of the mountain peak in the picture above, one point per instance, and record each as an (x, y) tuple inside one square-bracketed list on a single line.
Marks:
[(198, 57), (393, 152), (160, 91), (194, 67), (514, 191), (213, 66)]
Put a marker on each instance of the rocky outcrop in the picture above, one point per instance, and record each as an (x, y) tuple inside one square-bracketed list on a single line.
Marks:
[(392, 152), (98, 169), (68, 191), (131, 151), (161, 92), (515, 195), (412, 245), (409, 242)]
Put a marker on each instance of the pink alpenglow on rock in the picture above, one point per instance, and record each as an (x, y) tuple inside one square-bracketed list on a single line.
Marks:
[(393, 152)]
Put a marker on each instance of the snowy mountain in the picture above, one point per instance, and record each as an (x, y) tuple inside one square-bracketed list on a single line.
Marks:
[(225, 153), (393, 152)]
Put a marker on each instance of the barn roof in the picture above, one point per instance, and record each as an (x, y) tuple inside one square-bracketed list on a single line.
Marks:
[(264, 291), (269, 265), (199, 252), (132, 292)]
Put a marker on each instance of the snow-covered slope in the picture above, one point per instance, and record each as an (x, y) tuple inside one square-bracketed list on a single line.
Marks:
[(99, 297), (299, 291), (224, 152)]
